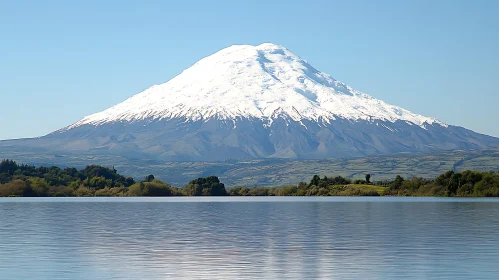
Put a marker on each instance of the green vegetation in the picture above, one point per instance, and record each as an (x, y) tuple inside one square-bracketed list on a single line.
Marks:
[(461, 184), (209, 186), (325, 186), (94, 180), (304, 190), (25, 180), (275, 172)]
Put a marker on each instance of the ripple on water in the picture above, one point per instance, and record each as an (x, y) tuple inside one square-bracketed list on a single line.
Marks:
[(309, 239)]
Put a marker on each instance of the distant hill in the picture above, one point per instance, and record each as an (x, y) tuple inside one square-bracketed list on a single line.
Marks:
[(274, 172)]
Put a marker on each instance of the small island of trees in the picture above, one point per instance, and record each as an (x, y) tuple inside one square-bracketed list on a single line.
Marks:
[(20, 180)]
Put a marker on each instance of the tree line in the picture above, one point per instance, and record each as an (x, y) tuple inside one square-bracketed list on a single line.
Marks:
[(94, 180)]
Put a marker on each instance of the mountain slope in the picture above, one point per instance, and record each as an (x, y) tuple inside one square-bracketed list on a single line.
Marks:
[(248, 102), (274, 172), (259, 82)]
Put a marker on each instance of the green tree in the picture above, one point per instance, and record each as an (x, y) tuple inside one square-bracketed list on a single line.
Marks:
[(138, 189), (302, 189), (315, 180), (83, 191), (158, 188), (234, 191), (39, 186), (99, 183), (209, 186), (244, 191), (8, 166), (488, 186), (397, 183), (129, 181), (149, 178), (259, 191), (288, 191), (14, 188)]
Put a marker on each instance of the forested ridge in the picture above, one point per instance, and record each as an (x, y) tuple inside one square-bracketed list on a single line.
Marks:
[(19, 180)]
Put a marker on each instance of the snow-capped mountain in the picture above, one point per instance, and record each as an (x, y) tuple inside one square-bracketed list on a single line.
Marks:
[(255, 102), (253, 82)]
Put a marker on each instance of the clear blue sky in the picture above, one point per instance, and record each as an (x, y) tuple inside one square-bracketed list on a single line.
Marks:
[(63, 60)]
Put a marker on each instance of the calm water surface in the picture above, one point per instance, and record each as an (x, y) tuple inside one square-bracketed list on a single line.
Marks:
[(266, 238)]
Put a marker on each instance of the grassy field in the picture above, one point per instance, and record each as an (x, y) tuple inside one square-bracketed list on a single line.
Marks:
[(276, 172), (368, 188), (356, 190)]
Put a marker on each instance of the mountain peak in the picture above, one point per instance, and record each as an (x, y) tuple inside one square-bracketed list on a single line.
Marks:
[(250, 102), (268, 47), (253, 82)]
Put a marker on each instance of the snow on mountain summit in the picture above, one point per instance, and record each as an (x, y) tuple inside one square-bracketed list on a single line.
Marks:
[(244, 81), (253, 102)]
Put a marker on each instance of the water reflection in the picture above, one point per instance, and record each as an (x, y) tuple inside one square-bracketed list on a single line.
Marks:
[(255, 240)]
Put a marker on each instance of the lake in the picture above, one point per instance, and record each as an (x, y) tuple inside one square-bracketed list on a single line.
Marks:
[(249, 238)]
